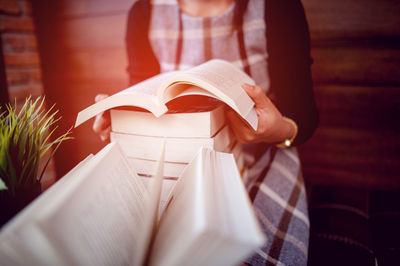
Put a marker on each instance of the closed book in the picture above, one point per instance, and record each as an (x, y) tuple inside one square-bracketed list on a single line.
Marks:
[(178, 150), (195, 124)]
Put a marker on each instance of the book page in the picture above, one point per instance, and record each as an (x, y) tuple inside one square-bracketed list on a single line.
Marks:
[(151, 217), (141, 95), (29, 213), (182, 219), (231, 217), (99, 222), (148, 87), (167, 187), (208, 219), (27, 245), (220, 78), (21, 241)]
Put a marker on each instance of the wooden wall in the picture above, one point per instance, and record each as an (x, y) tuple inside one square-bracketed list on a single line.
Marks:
[(356, 51), (356, 72), (83, 53), (20, 73)]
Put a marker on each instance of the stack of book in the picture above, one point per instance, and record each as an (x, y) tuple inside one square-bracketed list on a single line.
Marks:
[(149, 119), (141, 136)]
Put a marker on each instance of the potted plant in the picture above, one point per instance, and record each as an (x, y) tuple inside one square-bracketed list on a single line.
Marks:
[(25, 137)]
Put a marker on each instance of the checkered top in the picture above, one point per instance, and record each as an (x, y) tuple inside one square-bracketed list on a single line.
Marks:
[(180, 41), (274, 179)]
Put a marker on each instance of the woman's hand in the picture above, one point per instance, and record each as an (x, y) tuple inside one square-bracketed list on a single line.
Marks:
[(272, 127), (102, 122)]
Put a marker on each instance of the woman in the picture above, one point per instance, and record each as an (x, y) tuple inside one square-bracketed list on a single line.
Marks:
[(270, 41)]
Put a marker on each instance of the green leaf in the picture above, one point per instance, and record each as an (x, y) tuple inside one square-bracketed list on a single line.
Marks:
[(3, 185), (25, 137)]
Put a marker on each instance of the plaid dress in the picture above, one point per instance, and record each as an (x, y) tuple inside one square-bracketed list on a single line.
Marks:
[(273, 176)]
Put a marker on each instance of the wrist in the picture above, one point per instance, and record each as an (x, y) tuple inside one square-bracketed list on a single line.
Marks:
[(291, 133)]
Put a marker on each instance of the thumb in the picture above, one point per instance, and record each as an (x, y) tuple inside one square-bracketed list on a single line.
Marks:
[(257, 95), (100, 97)]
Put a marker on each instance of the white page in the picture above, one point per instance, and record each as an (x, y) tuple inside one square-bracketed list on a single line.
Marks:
[(98, 223), (239, 230), (31, 247), (219, 77), (207, 241), (151, 216), (237, 201), (22, 241), (148, 87), (141, 95), (231, 231), (209, 220), (213, 241), (167, 187), (223, 80), (30, 211), (182, 220)]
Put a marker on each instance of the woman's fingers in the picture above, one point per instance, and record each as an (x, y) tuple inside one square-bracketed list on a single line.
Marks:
[(105, 134), (270, 127), (101, 124), (242, 132), (257, 95), (100, 97)]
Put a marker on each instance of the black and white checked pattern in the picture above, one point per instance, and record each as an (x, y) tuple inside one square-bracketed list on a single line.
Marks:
[(206, 38), (274, 179)]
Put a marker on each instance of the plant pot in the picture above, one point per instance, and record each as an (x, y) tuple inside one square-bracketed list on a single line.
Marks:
[(10, 204)]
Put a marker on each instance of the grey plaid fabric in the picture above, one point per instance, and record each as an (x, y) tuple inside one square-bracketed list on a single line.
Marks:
[(207, 38), (277, 190), (273, 177)]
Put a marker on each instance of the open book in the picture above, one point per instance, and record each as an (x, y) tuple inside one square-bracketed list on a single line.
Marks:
[(216, 78), (100, 213)]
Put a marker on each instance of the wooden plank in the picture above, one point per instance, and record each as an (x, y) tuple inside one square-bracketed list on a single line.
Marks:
[(357, 158), (359, 107), (110, 65), (338, 177), (356, 65), (77, 96), (357, 143), (347, 141), (332, 19), (84, 8), (94, 32), (96, 65), (87, 90), (4, 97)]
